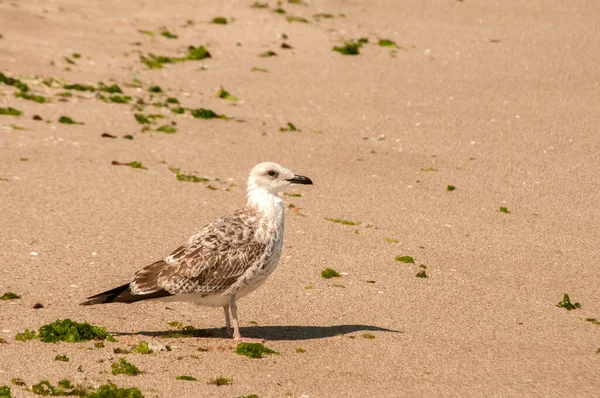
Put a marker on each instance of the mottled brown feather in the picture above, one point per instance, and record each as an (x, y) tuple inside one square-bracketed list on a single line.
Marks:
[(210, 262)]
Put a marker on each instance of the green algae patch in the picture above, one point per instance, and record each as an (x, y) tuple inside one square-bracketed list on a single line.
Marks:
[(222, 93), (67, 120), (390, 240), (405, 259), (31, 97), (66, 330), (157, 61), (296, 19), (5, 392), (112, 391), (220, 21), (256, 69), (134, 164), (10, 111), (349, 48), (112, 89), (566, 303), (62, 358), (329, 273), (367, 336), (220, 381), (300, 350), (11, 81), (64, 388), (10, 296), (504, 210), (167, 129), (421, 274), (169, 35), (387, 43), (289, 127), (450, 188), (79, 87), (343, 222), (124, 367), (253, 350), (187, 331), (202, 113), (267, 54), (429, 169), (142, 348), (186, 178), (183, 377)]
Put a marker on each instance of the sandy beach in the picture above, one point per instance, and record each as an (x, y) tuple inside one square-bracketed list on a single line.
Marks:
[(464, 135)]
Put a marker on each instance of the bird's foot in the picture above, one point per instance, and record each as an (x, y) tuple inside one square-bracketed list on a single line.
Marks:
[(241, 339)]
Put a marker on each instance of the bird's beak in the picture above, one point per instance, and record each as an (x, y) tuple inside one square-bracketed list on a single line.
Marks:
[(300, 180)]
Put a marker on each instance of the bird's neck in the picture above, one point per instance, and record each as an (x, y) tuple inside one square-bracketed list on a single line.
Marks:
[(269, 208)]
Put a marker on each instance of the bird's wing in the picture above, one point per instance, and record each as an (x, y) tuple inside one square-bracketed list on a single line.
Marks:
[(209, 262)]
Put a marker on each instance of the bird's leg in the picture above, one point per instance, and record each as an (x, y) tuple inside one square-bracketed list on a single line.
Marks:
[(227, 321), (236, 326)]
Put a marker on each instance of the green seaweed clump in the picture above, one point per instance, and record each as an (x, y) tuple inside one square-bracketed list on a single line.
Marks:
[(267, 54), (253, 350), (112, 391), (566, 303), (64, 388), (220, 381), (31, 97), (67, 120), (5, 392), (10, 111), (290, 127), (79, 87), (10, 296), (157, 61), (206, 114), (187, 178), (183, 377), (222, 93), (343, 222), (66, 330), (421, 274), (220, 21), (504, 210), (123, 367), (329, 273), (405, 259), (450, 188), (388, 43), (62, 358), (142, 348), (187, 331), (297, 19), (167, 129), (390, 240), (169, 35), (11, 81), (349, 48), (112, 89)]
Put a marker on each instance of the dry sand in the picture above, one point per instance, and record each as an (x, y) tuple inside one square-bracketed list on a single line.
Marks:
[(501, 97)]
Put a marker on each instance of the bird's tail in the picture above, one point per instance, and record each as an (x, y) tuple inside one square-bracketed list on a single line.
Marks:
[(108, 296), (123, 294)]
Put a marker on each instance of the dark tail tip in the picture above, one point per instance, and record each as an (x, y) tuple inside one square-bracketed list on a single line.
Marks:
[(106, 297)]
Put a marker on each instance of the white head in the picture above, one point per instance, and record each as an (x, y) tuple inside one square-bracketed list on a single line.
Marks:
[(273, 178)]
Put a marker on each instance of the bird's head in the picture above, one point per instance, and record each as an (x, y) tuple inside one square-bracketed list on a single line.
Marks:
[(273, 178)]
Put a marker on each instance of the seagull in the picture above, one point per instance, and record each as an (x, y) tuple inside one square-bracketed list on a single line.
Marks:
[(224, 261)]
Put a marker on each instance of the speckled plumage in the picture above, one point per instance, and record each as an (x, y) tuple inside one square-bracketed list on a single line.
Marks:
[(226, 259)]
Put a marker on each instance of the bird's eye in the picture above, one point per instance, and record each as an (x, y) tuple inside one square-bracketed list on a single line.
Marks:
[(272, 173)]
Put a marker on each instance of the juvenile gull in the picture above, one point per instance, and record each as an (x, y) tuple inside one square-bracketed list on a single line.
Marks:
[(226, 259)]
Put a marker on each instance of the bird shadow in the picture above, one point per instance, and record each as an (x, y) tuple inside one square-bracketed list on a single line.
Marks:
[(271, 333)]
